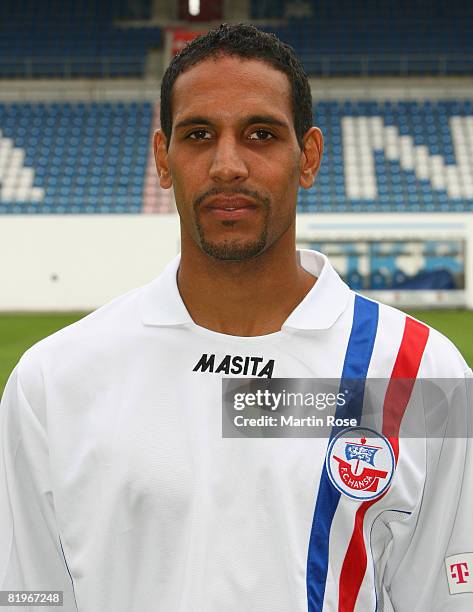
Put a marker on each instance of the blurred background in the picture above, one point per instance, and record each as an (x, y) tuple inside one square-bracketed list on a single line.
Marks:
[(83, 219)]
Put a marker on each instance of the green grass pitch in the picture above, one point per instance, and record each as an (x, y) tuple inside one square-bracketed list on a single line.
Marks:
[(20, 331)]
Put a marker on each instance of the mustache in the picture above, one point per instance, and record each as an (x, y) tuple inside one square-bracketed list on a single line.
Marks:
[(235, 191)]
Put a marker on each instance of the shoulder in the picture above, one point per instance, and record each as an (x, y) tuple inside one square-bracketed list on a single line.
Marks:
[(398, 332), (96, 336), (442, 358)]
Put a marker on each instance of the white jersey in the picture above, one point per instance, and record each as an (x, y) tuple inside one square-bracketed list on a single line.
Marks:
[(118, 488)]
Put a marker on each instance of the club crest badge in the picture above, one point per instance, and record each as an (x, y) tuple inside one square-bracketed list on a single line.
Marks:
[(360, 463)]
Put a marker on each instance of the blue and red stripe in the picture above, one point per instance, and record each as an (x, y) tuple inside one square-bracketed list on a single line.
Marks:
[(355, 368), (397, 397)]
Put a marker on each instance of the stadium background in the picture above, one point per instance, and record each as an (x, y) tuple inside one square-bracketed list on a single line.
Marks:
[(82, 217)]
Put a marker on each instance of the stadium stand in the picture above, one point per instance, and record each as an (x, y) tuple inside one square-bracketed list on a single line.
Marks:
[(73, 158), (95, 157), (394, 156), (97, 38), (86, 38), (407, 37)]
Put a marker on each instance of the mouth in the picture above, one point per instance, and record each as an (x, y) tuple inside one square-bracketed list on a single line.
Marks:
[(230, 207)]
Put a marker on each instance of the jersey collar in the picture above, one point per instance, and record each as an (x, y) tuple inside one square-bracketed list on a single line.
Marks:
[(327, 299), (162, 305)]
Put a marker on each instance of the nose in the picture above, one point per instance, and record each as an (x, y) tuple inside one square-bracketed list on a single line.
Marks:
[(227, 164)]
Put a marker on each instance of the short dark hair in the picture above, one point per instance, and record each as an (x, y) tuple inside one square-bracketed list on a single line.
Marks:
[(248, 42)]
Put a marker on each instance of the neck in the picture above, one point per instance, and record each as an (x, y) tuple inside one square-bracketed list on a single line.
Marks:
[(243, 298)]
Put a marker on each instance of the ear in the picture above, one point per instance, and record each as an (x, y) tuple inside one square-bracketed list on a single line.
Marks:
[(311, 156), (161, 159)]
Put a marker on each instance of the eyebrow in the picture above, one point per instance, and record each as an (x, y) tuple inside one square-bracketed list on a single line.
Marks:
[(200, 120)]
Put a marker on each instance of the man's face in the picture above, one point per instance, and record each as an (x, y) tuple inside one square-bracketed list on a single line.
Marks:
[(233, 157)]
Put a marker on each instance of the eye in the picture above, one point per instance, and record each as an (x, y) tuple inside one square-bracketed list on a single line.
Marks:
[(200, 135), (261, 135)]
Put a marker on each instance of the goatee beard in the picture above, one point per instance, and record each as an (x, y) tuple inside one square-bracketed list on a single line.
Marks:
[(233, 250)]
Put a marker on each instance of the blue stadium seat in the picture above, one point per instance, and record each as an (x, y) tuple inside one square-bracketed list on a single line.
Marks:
[(97, 153), (83, 36)]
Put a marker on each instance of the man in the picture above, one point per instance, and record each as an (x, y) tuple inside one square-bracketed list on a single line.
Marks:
[(117, 486)]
